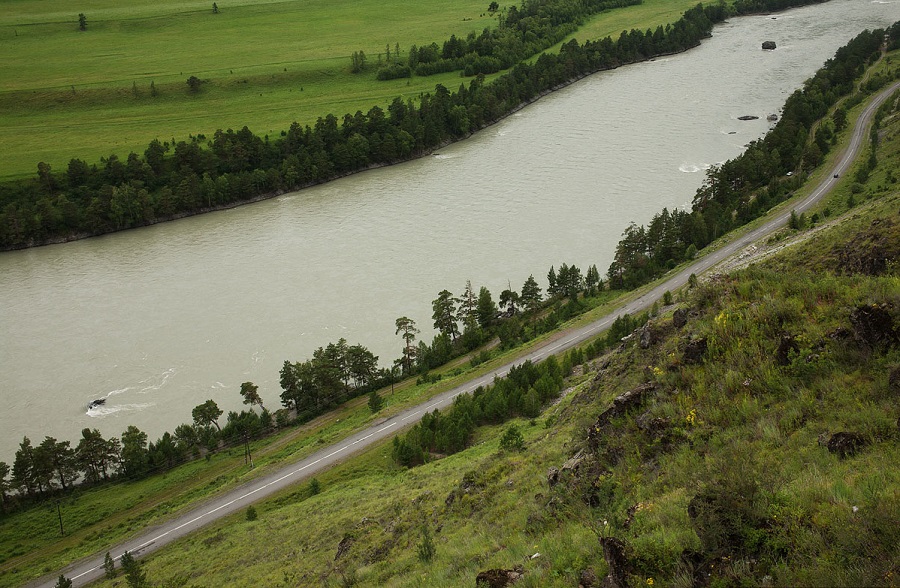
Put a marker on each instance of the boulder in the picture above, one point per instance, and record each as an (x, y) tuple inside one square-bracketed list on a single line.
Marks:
[(553, 476), (614, 552), (894, 379), (343, 546), (497, 578), (647, 338), (679, 318), (748, 117), (845, 444), (694, 351), (587, 579), (785, 346), (768, 45), (873, 325), (622, 404)]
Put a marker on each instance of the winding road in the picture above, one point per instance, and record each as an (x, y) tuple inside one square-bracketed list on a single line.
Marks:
[(90, 569)]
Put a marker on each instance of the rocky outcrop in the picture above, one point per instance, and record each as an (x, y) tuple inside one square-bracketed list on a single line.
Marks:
[(894, 380), (622, 404), (679, 318), (694, 351), (498, 578), (648, 338), (615, 554), (343, 546), (785, 346), (768, 45), (873, 326), (870, 252), (845, 444), (587, 579)]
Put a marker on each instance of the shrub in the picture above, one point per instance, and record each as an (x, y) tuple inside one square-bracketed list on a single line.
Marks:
[(512, 439)]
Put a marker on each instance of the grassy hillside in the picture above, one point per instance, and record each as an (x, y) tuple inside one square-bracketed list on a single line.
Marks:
[(67, 93), (754, 445)]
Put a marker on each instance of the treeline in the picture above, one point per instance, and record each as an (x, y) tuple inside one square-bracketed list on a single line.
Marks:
[(523, 32), (172, 179), (746, 187), (336, 373), (524, 392)]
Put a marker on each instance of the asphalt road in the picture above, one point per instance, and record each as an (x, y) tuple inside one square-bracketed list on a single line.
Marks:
[(89, 569)]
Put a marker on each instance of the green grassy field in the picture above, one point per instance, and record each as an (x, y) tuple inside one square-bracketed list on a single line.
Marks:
[(67, 93)]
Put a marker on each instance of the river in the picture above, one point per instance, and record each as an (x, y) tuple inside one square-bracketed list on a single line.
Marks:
[(159, 319)]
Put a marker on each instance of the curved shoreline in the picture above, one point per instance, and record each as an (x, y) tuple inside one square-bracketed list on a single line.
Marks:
[(425, 153)]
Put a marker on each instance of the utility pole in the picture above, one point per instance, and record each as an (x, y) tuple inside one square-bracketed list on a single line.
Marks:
[(59, 513)]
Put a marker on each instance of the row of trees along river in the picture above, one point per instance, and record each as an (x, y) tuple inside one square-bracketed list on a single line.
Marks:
[(192, 176), (336, 373), (339, 372)]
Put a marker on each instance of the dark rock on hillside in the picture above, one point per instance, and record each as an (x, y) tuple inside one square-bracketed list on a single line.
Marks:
[(869, 252), (845, 444), (694, 351), (615, 554), (679, 318), (497, 578), (785, 346), (894, 379), (553, 476), (621, 405), (343, 546), (768, 45), (655, 427), (587, 579), (873, 326), (648, 338)]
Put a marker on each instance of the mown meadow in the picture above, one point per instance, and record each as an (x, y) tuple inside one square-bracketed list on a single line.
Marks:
[(70, 93)]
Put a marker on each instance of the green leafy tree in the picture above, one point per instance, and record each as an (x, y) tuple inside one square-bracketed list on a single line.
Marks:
[(194, 83), (82, 22), (376, 402), (509, 299), (553, 287), (134, 575), (109, 566), (314, 487), (96, 456), (592, 280), (444, 315), (486, 310), (406, 328), (357, 61), (531, 294), (252, 515), (468, 307), (135, 457), (426, 548), (215, 8), (63, 582), (4, 483), (512, 439), (61, 459), (250, 393), (23, 470), (207, 414)]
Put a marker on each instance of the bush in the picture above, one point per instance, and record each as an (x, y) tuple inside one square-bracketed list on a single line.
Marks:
[(251, 513), (512, 439)]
